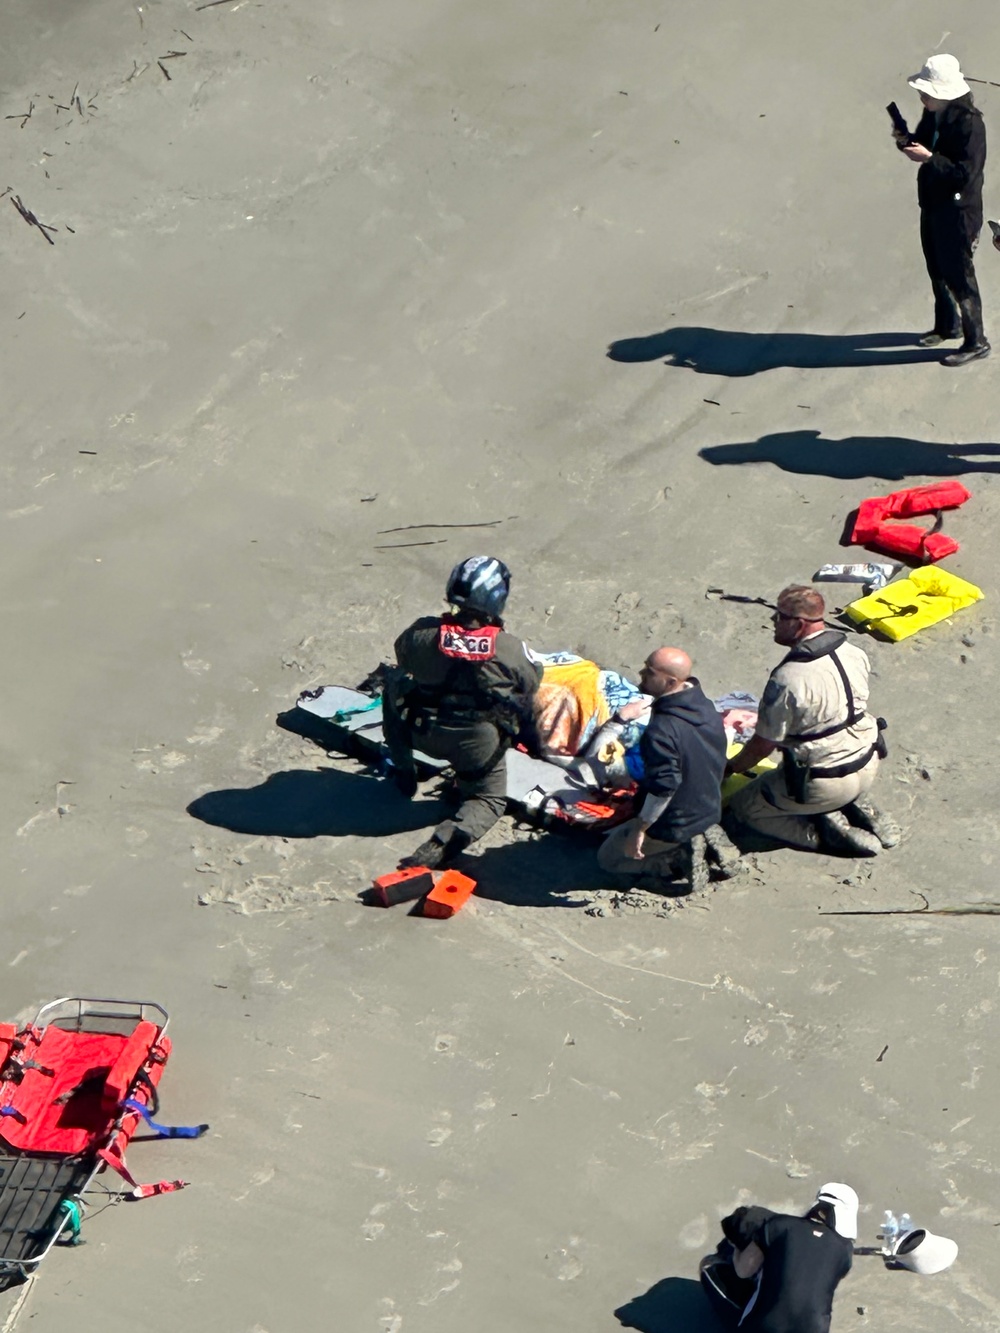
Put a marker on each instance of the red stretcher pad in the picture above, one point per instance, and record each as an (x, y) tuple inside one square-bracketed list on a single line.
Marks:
[(73, 1110)]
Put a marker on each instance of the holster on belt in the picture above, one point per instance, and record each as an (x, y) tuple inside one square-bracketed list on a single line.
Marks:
[(796, 777)]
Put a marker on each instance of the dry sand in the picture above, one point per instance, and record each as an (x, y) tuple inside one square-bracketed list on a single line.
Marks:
[(354, 267)]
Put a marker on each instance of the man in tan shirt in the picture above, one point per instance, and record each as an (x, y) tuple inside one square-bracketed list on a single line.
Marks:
[(814, 710)]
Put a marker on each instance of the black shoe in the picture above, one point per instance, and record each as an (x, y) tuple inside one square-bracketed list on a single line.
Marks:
[(934, 339), (429, 854), (975, 352), (437, 851)]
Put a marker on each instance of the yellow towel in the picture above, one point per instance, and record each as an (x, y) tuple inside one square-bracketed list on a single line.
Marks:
[(732, 784), (927, 595)]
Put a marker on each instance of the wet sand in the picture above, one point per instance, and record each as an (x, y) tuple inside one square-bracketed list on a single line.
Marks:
[(355, 268)]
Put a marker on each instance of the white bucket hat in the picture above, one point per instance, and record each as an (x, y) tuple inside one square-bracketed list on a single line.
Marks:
[(845, 1208), (922, 1252), (941, 77)]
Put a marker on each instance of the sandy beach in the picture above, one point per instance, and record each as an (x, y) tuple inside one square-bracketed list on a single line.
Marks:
[(324, 274)]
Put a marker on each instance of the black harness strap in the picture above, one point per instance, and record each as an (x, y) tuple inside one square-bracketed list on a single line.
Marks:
[(826, 645)]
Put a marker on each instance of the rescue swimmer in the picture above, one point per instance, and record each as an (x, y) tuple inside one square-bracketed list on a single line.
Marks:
[(815, 710), (462, 692)]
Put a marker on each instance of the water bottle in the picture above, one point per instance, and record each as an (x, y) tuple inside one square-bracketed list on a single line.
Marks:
[(890, 1232), (905, 1223)]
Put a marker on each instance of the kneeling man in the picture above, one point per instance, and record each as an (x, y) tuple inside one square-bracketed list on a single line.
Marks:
[(814, 710), (683, 752)]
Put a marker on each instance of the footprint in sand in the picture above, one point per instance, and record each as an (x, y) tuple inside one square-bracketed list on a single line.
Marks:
[(694, 1236)]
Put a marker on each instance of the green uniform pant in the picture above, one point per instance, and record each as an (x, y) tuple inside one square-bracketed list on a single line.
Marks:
[(474, 751)]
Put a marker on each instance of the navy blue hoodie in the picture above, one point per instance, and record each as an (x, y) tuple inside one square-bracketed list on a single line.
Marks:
[(684, 753)]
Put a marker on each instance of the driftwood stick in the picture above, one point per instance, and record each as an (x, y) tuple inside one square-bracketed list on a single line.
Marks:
[(412, 527)]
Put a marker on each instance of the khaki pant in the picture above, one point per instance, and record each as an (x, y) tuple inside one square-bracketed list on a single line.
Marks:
[(658, 859), (765, 805)]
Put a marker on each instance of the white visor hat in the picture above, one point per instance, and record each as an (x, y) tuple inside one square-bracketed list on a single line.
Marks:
[(845, 1208), (922, 1252), (941, 77)]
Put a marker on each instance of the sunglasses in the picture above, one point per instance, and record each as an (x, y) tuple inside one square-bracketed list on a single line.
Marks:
[(783, 615)]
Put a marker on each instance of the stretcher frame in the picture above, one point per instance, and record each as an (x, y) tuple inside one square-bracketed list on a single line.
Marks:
[(24, 1175)]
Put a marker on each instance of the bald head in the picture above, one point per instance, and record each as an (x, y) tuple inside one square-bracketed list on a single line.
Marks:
[(665, 671)]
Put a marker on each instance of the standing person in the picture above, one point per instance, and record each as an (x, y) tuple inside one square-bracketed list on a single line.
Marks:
[(950, 145), (814, 709), (787, 1268), (464, 690), (683, 752)]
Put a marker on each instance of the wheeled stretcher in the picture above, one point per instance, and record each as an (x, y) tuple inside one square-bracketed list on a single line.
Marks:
[(75, 1084)]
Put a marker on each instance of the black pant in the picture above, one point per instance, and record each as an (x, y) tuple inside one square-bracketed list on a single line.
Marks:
[(949, 237)]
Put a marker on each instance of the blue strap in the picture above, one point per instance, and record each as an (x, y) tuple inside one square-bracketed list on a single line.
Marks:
[(164, 1131), (18, 1115)]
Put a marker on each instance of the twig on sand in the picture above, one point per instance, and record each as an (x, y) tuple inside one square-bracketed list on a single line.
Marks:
[(22, 116), (31, 220), (210, 5), (412, 527), (164, 69), (989, 82), (399, 546), (987, 908)]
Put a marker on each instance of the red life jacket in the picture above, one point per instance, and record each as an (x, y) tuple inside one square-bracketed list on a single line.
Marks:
[(873, 528)]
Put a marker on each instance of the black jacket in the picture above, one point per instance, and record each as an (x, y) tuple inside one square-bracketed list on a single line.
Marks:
[(461, 684), (956, 169), (684, 753), (804, 1261)]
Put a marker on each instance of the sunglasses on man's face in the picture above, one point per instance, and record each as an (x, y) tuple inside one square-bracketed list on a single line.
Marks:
[(783, 615)]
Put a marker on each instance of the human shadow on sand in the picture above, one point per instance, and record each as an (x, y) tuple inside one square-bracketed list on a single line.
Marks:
[(731, 352), (885, 457), (314, 803), (672, 1305), (555, 871)]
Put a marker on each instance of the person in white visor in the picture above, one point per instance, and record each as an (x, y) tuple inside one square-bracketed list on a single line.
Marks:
[(776, 1273), (949, 147)]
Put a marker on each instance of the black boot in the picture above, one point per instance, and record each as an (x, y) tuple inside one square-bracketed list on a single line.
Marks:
[(863, 813), (429, 855), (946, 319), (837, 834), (437, 850), (974, 345)]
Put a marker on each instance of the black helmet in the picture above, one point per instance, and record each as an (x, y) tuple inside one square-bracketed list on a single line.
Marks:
[(480, 584)]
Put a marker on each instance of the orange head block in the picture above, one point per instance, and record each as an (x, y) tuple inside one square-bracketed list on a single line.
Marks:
[(449, 894), (403, 886)]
